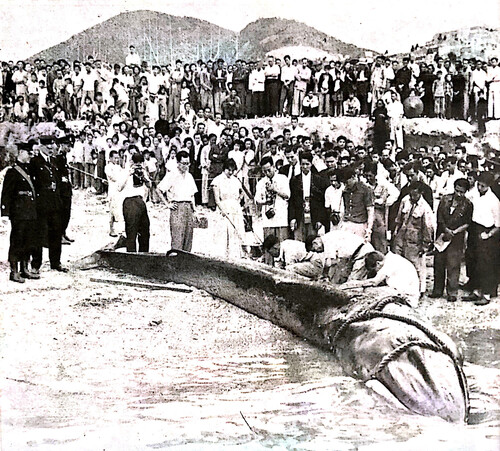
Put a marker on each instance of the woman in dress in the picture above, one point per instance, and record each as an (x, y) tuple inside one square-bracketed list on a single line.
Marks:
[(380, 131), (227, 194)]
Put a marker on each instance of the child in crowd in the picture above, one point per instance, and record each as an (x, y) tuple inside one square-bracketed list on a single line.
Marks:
[(438, 93), (448, 95)]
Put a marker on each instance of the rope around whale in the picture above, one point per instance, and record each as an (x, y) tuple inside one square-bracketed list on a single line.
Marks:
[(437, 345)]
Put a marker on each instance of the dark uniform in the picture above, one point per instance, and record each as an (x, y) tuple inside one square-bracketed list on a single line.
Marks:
[(65, 189), (402, 80), (18, 203), (49, 211)]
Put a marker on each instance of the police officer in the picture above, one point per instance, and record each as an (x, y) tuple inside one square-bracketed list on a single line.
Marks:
[(18, 203), (65, 187), (48, 205)]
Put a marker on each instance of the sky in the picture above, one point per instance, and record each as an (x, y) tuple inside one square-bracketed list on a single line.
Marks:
[(29, 26)]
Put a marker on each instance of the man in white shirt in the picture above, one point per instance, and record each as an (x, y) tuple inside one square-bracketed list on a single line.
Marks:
[(341, 247), (272, 194), (133, 58), (155, 80), (493, 80), (180, 188), (272, 88), (287, 79), (134, 190), (295, 128), (378, 82), (292, 256), (89, 80), (115, 175), (449, 176), (77, 160), (256, 84), (292, 168), (21, 109), (478, 86), (302, 77), (395, 271), (483, 250)]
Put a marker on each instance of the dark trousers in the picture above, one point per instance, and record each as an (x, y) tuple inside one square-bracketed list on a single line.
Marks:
[(89, 169), (241, 92), (447, 266), (258, 104), (101, 164), (65, 213), (303, 231), (79, 177), (286, 99), (379, 233), (21, 240), (136, 218), (272, 96), (49, 235), (482, 260)]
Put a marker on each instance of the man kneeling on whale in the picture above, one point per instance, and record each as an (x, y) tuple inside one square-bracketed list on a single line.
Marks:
[(392, 270), (343, 253), (293, 256)]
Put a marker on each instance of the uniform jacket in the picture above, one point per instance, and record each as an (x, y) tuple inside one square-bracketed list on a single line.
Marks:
[(45, 179), (62, 173), (18, 196)]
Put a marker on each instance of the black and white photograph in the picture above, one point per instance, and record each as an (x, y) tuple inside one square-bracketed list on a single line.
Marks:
[(249, 225)]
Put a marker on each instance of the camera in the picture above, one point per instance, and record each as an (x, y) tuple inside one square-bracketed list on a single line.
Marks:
[(335, 218), (270, 213), (138, 175)]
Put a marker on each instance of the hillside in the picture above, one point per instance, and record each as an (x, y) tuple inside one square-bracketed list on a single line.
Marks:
[(265, 35), (471, 42), (162, 38), (158, 37)]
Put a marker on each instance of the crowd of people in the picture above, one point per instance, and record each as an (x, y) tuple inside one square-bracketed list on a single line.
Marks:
[(466, 89), (319, 201)]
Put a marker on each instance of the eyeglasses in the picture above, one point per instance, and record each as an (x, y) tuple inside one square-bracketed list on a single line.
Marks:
[(184, 164)]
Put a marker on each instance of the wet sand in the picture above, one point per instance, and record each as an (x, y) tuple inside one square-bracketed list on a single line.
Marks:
[(87, 365)]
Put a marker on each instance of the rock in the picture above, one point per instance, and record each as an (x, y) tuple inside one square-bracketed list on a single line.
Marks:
[(413, 107)]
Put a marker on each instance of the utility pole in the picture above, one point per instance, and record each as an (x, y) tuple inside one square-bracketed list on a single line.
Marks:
[(171, 47)]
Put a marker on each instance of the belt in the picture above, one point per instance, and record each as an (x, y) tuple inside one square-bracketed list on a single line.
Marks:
[(182, 201)]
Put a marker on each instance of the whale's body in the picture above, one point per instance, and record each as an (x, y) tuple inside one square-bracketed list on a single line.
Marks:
[(373, 337)]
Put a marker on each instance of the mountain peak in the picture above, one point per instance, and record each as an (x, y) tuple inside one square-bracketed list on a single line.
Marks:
[(162, 38)]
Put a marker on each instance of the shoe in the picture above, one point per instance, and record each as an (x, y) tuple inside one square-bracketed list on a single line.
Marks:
[(66, 237), (434, 295), (26, 273), (16, 277), (59, 268), (465, 286), (114, 235), (35, 271), (473, 297), (451, 298), (65, 241), (482, 301)]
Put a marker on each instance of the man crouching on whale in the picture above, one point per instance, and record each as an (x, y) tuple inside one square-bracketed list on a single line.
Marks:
[(344, 254), (292, 256), (392, 270)]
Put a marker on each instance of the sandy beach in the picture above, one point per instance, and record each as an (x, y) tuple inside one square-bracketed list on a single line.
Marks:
[(88, 365)]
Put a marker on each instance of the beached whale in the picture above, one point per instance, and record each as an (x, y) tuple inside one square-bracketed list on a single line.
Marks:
[(374, 337)]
